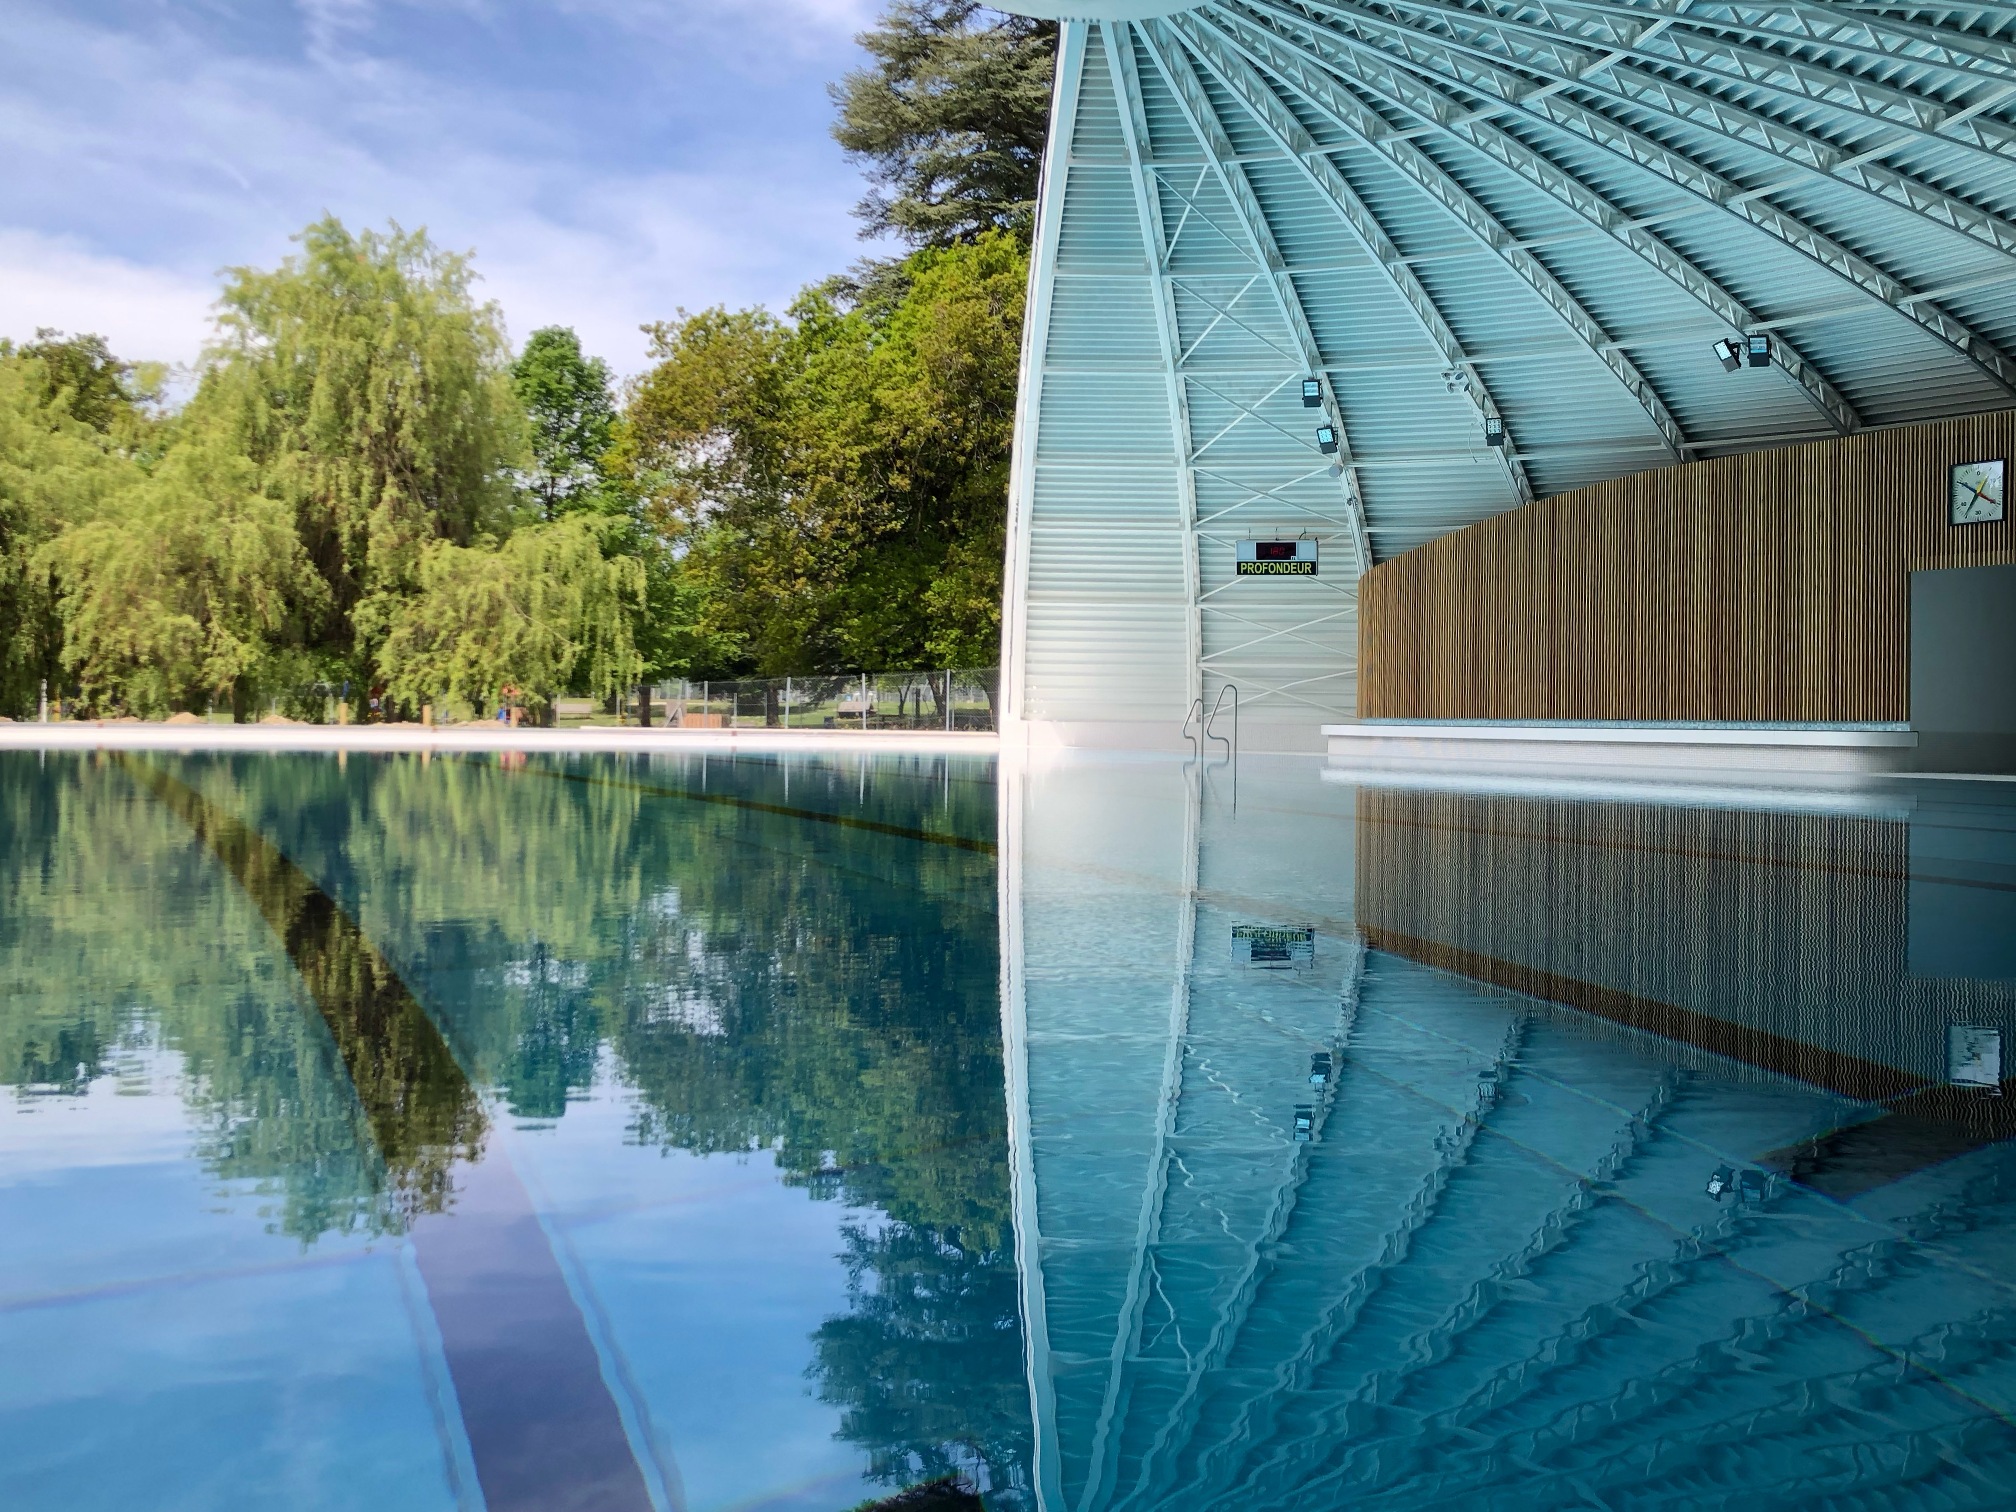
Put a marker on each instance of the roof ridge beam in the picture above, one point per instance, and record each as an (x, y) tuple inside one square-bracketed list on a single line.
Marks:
[(1430, 104), (1245, 85), (1365, 124), (1467, 65), (1202, 119)]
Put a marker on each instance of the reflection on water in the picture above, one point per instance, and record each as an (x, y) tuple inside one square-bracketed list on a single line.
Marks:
[(1612, 1150), (382, 996), (395, 1132)]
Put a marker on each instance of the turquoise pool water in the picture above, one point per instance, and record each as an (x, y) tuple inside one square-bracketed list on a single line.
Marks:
[(687, 1132)]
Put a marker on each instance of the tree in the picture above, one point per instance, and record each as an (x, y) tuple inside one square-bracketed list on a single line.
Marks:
[(373, 396), (55, 469), (949, 122), (542, 610), (187, 585), (838, 482), (572, 419)]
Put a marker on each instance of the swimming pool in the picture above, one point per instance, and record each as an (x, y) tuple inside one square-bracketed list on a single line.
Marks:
[(778, 1131)]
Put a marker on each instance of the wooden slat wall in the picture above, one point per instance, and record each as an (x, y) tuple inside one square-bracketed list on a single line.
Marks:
[(1769, 586), (1779, 940)]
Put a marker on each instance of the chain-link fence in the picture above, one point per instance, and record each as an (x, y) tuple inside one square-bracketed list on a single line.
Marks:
[(946, 700), (936, 700)]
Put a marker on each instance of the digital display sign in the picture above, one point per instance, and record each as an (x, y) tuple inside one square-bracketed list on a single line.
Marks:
[(1295, 558)]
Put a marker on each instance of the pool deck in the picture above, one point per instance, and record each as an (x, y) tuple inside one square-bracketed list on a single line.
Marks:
[(137, 735)]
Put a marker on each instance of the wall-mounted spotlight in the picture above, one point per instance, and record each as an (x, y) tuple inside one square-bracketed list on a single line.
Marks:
[(1730, 355), (1456, 380), (1312, 393), (1494, 431), (1326, 439), (1758, 349)]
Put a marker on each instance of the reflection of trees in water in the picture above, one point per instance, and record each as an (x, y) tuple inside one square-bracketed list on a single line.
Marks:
[(927, 1363), (761, 982)]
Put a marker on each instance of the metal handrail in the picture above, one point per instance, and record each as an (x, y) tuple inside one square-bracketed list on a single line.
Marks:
[(1232, 745)]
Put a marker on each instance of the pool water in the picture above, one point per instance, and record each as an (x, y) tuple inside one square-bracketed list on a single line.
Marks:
[(688, 1132)]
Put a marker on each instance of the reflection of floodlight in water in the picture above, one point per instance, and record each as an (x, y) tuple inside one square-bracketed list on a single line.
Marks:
[(1720, 1182), (1750, 1186), (1319, 1068), (1305, 1123)]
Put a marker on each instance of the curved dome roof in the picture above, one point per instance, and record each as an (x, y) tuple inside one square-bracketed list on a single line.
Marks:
[(1546, 213)]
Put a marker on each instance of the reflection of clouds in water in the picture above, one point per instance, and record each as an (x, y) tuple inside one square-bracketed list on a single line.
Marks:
[(682, 1007), (546, 971)]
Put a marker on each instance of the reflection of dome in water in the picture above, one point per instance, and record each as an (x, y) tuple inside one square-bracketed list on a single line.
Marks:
[(1497, 1276)]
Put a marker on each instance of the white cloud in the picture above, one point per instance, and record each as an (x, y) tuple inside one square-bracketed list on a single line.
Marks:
[(146, 313), (136, 162)]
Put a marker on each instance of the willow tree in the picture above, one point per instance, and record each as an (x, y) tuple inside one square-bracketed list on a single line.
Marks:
[(542, 611), (55, 468), (187, 586), (372, 394)]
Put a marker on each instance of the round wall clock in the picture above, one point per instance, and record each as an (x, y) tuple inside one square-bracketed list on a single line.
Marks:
[(1974, 494)]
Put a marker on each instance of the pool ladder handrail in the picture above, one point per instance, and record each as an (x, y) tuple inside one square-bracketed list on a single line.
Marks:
[(1205, 722)]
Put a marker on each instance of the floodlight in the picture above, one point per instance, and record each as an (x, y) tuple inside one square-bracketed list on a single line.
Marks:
[(1730, 355), (1719, 1181), (1326, 439), (1312, 393), (1759, 351), (1494, 431)]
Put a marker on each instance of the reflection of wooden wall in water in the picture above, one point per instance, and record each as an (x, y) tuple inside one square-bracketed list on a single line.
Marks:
[(1768, 586), (1778, 939)]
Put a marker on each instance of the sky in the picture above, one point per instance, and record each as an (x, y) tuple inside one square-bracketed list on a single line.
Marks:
[(607, 161)]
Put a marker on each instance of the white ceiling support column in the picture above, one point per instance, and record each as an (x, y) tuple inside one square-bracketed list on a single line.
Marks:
[(1435, 108), (1155, 249), (1195, 104), (1476, 69), (1261, 47), (1280, 123), (1029, 384)]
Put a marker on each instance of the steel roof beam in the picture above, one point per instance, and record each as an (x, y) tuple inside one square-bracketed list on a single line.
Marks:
[(1803, 150), (1657, 40), (1565, 65), (1155, 247), (1476, 70), (1341, 106), (1430, 104), (1246, 86), (1875, 35), (1202, 118)]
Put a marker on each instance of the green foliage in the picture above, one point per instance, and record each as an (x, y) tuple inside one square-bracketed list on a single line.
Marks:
[(373, 396), (572, 418), (187, 585), (544, 609), (54, 468), (838, 482), (949, 121)]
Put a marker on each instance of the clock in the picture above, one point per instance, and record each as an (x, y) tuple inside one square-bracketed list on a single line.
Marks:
[(1974, 493)]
